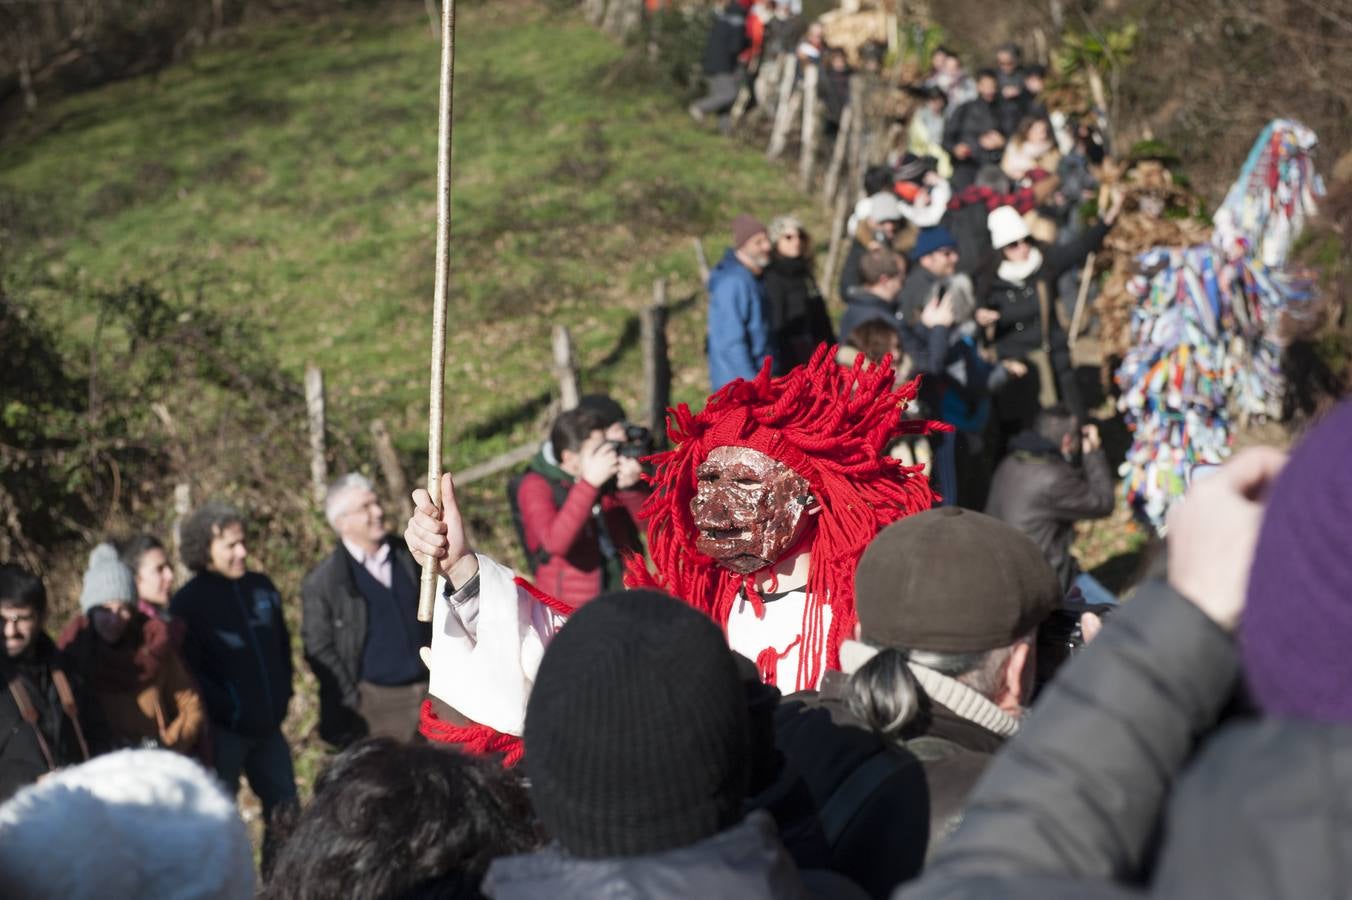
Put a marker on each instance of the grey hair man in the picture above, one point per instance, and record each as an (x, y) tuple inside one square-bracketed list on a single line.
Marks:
[(360, 627), (949, 604)]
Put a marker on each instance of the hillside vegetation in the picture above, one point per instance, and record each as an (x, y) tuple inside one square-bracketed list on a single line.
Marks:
[(175, 249), (283, 182)]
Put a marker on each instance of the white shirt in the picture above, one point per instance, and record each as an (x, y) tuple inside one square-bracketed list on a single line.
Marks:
[(378, 563), (781, 628)]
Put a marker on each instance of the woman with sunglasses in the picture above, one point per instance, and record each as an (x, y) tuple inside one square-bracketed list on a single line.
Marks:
[(1022, 290), (799, 323), (128, 662)]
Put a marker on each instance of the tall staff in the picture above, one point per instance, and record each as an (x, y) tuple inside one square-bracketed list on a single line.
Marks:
[(436, 413)]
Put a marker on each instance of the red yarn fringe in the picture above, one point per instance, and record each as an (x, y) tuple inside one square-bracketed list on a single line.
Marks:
[(553, 603), (831, 425), (476, 739)]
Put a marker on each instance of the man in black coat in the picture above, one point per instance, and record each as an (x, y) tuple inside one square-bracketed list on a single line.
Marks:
[(237, 646), (360, 627), (1055, 475), (38, 732), (948, 603), (722, 64), (974, 134)]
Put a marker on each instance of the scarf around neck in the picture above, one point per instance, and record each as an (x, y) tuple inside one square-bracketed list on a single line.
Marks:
[(1018, 273), (129, 665), (948, 692)]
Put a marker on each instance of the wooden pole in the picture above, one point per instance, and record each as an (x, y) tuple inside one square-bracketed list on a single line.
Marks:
[(807, 148), (314, 408), (391, 468), (838, 240), (779, 135), (182, 506), (702, 262), (431, 6), (837, 156), (656, 365), (436, 409), (565, 369), (1086, 276)]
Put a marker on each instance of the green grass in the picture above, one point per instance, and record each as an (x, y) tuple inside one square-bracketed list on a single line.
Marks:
[(289, 175), (286, 177)]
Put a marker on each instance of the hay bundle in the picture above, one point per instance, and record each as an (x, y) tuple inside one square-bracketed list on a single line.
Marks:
[(1155, 214)]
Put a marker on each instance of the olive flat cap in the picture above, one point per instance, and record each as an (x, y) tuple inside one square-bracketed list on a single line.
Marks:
[(950, 580)]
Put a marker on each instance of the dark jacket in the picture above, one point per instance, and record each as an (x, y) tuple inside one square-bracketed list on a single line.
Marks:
[(881, 826), (746, 862), (21, 758), (727, 39), (568, 536), (834, 90), (238, 648), (862, 306), (966, 126), (799, 323), (958, 381), (1105, 792), (333, 633), (1019, 331), (849, 277), (1038, 492)]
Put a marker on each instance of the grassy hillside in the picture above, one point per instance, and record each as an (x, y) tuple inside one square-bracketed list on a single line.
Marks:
[(289, 177), (282, 184)]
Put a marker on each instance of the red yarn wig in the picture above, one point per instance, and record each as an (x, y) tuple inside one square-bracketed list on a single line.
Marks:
[(829, 424)]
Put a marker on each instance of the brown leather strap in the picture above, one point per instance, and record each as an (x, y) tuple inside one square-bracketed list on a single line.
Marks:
[(68, 704), (30, 715)]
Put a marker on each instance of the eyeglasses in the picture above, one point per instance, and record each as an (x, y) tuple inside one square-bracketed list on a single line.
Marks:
[(1019, 243)]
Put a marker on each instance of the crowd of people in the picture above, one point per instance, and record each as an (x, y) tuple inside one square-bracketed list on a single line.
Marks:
[(834, 642), (661, 764)]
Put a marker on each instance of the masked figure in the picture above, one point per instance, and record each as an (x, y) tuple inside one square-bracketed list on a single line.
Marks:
[(757, 517)]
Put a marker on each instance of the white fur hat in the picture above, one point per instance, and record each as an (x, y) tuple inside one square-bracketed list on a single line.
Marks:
[(136, 823), (1006, 226)]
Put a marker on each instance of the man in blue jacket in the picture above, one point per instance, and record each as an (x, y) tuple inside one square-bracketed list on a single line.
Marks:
[(237, 646), (739, 333)]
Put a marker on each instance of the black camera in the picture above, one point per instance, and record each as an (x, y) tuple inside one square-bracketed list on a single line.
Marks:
[(1060, 638), (637, 443)]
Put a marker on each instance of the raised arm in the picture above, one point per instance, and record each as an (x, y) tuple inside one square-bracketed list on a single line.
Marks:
[(489, 632)]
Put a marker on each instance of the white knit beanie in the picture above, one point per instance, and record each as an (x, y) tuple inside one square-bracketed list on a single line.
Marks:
[(106, 580), (1006, 226), (136, 823)]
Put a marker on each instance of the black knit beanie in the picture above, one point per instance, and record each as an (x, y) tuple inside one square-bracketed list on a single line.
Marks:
[(636, 730)]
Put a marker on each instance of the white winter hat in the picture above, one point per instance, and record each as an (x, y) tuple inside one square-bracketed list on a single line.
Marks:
[(885, 207), (136, 823), (1006, 226)]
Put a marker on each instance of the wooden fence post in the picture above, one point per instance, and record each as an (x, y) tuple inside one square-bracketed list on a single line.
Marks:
[(838, 156), (807, 150), (1086, 278), (595, 11), (838, 239), (565, 368), (779, 135), (390, 467), (314, 408), (656, 365), (182, 506), (702, 262), (433, 19)]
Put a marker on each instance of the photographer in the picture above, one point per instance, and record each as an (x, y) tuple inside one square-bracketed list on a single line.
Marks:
[(1055, 475), (577, 505)]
